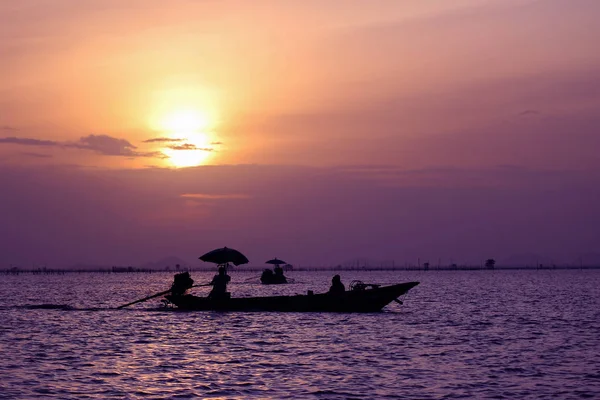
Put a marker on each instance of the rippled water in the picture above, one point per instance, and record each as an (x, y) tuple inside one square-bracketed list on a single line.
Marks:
[(479, 334)]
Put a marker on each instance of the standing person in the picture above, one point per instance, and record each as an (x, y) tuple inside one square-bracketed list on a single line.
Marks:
[(219, 283)]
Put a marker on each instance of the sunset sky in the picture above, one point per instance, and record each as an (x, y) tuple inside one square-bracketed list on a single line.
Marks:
[(314, 131)]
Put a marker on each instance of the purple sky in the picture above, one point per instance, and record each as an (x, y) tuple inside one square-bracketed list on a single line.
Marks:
[(317, 132)]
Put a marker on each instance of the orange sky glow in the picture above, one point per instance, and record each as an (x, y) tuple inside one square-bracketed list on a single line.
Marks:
[(131, 130), (263, 77)]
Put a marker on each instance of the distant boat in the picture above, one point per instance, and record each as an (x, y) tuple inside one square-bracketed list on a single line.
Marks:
[(270, 277), (358, 300), (275, 276)]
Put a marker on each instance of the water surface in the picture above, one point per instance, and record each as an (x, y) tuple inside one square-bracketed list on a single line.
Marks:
[(483, 334)]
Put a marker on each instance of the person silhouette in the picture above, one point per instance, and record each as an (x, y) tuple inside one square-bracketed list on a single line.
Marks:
[(337, 286), (267, 276), (219, 284), (279, 277), (181, 283)]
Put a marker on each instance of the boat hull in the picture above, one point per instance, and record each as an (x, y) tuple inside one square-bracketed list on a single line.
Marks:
[(368, 300)]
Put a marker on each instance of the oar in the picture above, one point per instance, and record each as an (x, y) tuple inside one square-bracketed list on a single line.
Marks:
[(204, 284), (153, 296), (144, 299)]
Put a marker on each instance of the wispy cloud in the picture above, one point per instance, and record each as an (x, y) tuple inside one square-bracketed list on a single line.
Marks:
[(162, 140), (529, 112), (109, 146), (8, 128), (185, 146), (204, 196), (100, 144), (190, 146), (36, 155), (28, 142)]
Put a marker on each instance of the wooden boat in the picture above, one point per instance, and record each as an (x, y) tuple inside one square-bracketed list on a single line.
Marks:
[(357, 300), (273, 277)]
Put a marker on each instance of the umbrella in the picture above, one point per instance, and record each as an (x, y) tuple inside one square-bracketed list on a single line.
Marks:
[(225, 255), (275, 261)]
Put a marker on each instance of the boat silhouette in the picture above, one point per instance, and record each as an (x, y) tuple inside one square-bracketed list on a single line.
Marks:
[(368, 298)]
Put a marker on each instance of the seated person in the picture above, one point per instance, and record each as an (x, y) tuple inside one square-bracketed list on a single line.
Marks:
[(267, 276), (181, 283), (279, 277), (219, 283), (337, 287)]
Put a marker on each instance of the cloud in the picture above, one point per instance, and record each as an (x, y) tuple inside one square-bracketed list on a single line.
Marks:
[(101, 144), (106, 145), (28, 142), (204, 196), (109, 146), (190, 146), (216, 143), (529, 112), (185, 146), (162, 140), (36, 155), (8, 128)]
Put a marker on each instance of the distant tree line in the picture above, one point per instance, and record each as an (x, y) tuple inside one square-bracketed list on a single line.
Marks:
[(489, 264)]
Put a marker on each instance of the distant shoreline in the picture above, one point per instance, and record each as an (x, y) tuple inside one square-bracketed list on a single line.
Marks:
[(132, 270)]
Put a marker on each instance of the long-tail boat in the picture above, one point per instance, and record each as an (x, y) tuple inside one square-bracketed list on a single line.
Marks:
[(360, 298)]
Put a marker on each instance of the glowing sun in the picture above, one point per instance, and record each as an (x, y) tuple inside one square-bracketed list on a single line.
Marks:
[(191, 143), (185, 121)]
